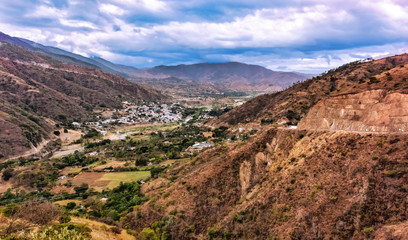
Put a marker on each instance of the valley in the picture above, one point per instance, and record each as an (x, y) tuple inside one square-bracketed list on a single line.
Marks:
[(214, 151)]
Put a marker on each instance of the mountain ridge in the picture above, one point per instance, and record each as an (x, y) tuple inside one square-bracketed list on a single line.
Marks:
[(37, 92), (228, 76)]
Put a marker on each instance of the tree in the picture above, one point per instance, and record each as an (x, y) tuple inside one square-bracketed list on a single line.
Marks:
[(7, 174)]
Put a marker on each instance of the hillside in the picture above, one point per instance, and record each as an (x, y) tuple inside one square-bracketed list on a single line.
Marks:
[(36, 89), (223, 76), (389, 74), (341, 175), (69, 57)]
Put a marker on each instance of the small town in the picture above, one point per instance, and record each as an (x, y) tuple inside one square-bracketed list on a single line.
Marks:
[(137, 114)]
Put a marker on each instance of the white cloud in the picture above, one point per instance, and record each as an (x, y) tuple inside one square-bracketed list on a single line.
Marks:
[(150, 5), (302, 35), (77, 24), (45, 11), (111, 9)]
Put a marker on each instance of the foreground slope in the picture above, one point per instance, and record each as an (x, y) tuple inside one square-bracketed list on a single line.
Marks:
[(37, 91), (343, 180)]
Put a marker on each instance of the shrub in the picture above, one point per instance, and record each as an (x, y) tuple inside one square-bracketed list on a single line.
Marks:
[(64, 232), (65, 218), (396, 173), (373, 80), (70, 205), (368, 231), (267, 120), (212, 233), (116, 230), (10, 210), (39, 213), (7, 174)]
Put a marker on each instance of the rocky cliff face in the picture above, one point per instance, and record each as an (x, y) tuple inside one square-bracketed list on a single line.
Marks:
[(369, 111)]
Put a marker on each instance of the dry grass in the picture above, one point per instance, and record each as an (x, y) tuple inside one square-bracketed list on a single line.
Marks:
[(101, 231)]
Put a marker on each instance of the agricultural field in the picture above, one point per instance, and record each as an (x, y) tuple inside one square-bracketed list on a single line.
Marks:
[(102, 181)]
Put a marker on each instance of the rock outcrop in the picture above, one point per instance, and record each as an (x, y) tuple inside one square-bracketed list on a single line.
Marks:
[(369, 111)]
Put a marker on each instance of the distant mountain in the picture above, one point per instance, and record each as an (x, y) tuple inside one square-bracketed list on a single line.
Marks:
[(123, 69), (196, 78), (68, 57), (37, 90), (224, 76)]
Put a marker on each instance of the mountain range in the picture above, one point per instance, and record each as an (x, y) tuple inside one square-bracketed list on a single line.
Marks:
[(219, 77), (201, 77)]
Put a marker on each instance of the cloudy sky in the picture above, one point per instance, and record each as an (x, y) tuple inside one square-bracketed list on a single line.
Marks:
[(289, 35)]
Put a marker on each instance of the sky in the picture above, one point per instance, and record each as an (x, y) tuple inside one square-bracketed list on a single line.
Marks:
[(309, 36)]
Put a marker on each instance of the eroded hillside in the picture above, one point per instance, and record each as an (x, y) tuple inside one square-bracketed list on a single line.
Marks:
[(370, 111), (292, 104), (36, 92), (340, 175), (285, 184)]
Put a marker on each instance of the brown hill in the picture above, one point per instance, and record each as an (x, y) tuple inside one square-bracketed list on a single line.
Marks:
[(337, 181), (286, 184), (34, 88), (389, 74)]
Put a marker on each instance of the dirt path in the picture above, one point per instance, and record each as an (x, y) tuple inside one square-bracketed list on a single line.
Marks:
[(68, 150), (32, 151), (344, 131)]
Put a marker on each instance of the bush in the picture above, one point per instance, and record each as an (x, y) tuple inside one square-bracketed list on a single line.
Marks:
[(396, 173), (116, 230), (70, 205), (7, 174), (267, 120), (368, 231), (65, 218), (39, 213), (64, 232), (10, 210), (155, 171)]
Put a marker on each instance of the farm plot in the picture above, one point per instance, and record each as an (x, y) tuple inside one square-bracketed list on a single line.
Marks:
[(100, 180)]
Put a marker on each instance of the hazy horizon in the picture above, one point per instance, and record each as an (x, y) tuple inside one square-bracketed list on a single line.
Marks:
[(303, 36)]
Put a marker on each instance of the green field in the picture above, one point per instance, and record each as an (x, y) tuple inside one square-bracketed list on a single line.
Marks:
[(156, 127), (116, 178)]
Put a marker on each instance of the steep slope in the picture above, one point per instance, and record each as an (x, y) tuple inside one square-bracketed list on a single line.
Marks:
[(231, 76), (285, 184), (342, 175), (68, 57), (127, 70), (369, 111), (389, 74), (34, 87)]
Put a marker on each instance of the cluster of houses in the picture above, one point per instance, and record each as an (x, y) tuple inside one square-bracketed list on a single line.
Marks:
[(134, 114)]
